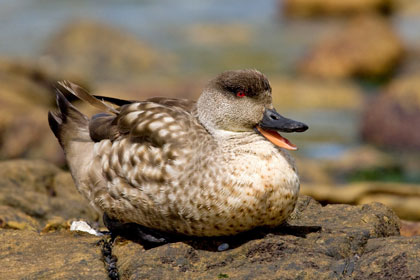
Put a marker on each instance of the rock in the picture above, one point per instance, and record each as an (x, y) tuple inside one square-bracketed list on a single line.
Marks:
[(98, 52), (310, 8), (26, 96), (389, 258), (56, 223), (318, 242), (42, 191), (409, 228), (408, 8), (210, 34), (312, 172), (411, 62), (406, 206), (390, 118), (366, 46), (29, 255), (331, 242), (11, 218), (27, 80), (306, 93), (402, 198)]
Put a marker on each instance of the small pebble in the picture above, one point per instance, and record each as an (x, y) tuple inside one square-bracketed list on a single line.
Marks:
[(223, 247), (84, 227)]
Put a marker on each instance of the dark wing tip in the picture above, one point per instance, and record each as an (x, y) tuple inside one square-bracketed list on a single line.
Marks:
[(55, 123)]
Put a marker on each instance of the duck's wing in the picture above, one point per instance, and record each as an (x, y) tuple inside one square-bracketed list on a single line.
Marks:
[(153, 120), (157, 120), (184, 104)]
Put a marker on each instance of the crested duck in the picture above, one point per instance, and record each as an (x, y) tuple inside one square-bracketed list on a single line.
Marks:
[(214, 167)]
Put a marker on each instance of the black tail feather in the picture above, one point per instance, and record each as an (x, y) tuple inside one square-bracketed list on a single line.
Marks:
[(55, 123), (113, 100), (66, 113)]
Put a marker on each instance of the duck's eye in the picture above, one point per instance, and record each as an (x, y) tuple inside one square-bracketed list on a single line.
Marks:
[(240, 94)]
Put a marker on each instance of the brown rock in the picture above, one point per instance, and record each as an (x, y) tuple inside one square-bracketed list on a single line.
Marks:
[(331, 242), (309, 8), (409, 228), (28, 255), (366, 46), (26, 95), (310, 171), (210, 34), (392, 117), (305, 93), (98, 52), (389, 258), (56, 223), (11, 218), (42, 191), (408, 8), (406, 206), (402, 198), (27, 80), (319, 242)]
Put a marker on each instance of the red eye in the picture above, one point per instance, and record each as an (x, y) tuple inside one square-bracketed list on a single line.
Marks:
[(240, 94)]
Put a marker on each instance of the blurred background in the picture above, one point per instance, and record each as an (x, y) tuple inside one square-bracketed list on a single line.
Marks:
[(350, 69)]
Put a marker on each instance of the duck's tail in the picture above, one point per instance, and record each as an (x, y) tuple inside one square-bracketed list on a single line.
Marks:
[(68, 124), (82, 94), (71, 128)]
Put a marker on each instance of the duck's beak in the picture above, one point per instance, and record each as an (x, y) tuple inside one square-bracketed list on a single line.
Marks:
[(273, 123)]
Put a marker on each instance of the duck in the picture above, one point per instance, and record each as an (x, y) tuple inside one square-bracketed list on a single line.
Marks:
[(217, 166)]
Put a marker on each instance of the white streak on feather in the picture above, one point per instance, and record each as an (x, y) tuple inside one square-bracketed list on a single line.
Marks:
[(168, 119), (155, 125), (132, 116)]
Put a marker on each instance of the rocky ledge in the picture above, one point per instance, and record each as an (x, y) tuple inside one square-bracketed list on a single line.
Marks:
[(324, 242)]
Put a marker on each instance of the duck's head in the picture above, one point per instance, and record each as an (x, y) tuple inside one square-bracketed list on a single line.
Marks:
[(240, 101)]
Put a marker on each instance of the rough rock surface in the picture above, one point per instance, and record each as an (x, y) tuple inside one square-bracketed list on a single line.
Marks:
[(366, 46), (403, 198), (389, 258), (26, 95), (29, 255), (39, 191), (392, 117), (409, 228), (98, 52), (331, 242), (309, 8), (319, 242)]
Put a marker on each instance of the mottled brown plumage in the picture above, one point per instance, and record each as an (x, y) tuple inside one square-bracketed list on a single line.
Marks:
[(195, 168)]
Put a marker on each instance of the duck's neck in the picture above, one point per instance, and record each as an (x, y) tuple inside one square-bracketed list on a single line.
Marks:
[(243, 142), (235, 138)]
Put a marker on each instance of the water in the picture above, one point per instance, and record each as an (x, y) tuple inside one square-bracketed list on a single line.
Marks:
[(26, 24), (273, 46)]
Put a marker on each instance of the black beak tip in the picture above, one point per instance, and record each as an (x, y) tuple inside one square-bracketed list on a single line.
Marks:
[(303, 127), (274, 121)]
